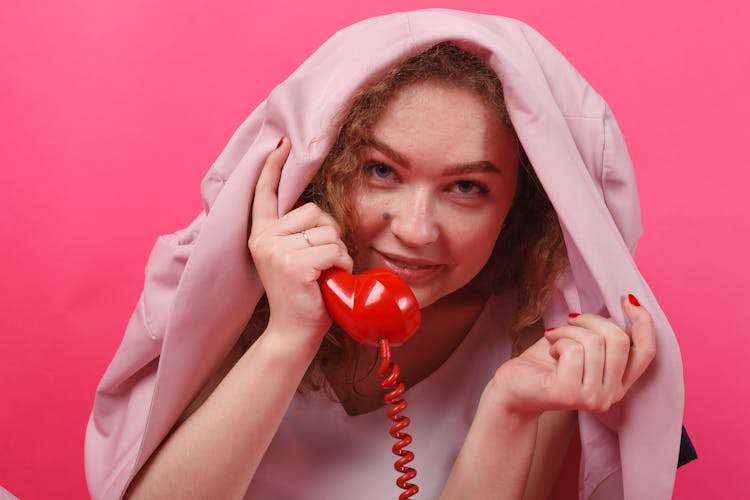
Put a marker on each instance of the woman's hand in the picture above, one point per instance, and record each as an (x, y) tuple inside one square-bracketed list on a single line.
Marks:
[(588, 364), (289, 254)]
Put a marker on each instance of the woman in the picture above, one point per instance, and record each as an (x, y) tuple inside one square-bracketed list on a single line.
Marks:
[(425, 172)]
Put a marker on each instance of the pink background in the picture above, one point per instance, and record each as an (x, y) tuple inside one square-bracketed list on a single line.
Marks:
[(111, 114)]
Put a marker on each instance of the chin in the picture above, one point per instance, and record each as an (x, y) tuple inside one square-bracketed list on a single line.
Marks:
[(427, 298), (425, 302), (430, 297), (424, 297)]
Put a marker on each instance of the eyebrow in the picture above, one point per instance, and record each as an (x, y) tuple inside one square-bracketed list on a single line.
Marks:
[(459, 169)]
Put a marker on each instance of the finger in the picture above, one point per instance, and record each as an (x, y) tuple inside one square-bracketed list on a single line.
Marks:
[(594, 353), (317, 259), (305, 217), (616, 349), (320, 235), (644, 340), (266, 200), (569, 371)]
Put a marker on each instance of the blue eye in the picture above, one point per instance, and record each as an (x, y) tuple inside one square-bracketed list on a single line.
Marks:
[(470, 187)]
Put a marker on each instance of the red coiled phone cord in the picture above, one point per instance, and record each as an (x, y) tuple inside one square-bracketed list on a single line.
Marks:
[(400, 421)]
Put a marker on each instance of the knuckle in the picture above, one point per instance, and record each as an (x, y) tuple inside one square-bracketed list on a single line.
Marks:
[(328, 220), (621, 343), (310, 209), (590, 402), (598, 403), (335, 228), (602, 406)]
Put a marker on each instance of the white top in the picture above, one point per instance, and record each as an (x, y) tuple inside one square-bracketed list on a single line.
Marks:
[(320, 452)]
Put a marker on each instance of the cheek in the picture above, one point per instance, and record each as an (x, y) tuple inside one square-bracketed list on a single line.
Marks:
[(369, 209), (479, 244), (368, 202), (369, 212), (474, 243)]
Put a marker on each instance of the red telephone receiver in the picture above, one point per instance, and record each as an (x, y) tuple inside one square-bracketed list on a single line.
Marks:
[(378, 308), (373, 306)]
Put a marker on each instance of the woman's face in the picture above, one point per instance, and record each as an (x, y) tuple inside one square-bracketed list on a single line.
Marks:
[(440, 177)]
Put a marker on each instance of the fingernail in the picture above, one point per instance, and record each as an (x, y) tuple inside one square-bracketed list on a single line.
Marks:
[(548, 330), (633, 300), (573, 315), (281, 141)]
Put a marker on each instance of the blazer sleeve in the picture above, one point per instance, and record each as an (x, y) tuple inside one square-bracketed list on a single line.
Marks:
[(115, 430)]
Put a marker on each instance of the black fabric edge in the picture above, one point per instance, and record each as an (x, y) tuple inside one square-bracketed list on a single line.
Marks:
[(687, 450)]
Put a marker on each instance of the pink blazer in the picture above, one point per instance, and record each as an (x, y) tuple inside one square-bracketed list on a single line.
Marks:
[(200, 286)]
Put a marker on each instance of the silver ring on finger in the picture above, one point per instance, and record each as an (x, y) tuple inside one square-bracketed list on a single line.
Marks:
[(307, 238)]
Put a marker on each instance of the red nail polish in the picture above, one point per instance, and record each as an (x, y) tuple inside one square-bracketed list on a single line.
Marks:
[(281, 141), (573, 315), (548, 330), (633, 300)]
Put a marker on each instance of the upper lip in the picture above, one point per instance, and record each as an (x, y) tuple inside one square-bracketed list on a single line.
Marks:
[(414, 261)]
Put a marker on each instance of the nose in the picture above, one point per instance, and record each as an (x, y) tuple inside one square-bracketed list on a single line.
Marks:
[(413, 221)]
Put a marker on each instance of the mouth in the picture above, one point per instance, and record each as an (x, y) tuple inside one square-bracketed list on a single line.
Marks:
[(412, 270)]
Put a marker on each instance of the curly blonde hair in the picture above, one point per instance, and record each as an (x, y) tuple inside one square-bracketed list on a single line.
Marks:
[(529, 252)]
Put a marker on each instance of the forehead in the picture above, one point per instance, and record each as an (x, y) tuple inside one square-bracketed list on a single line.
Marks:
[(438, 103), (439, 109), (441, 125)]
